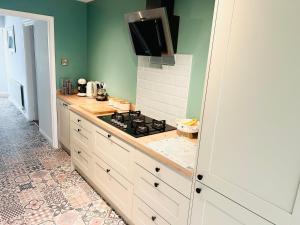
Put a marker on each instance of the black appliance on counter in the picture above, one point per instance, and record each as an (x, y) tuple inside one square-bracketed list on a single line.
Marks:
[(136, 124)]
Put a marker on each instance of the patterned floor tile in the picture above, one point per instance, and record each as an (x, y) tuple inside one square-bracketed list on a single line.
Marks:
[(37, 186)]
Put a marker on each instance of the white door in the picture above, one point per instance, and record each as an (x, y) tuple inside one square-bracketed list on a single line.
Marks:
[(211, 208), (41, 42), (250, 139)]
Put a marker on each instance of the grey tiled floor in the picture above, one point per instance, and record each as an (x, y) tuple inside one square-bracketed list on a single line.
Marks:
[(37, 185)]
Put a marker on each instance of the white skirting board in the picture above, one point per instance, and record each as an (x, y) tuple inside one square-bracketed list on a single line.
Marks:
[(162, 93)]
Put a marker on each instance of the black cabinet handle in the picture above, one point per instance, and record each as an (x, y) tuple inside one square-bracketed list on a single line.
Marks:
[(108, 170), (157, 169), (153, 218), (79, 152), (78, 130), (156, 184), (198, 190), (78, 120), (109, 135), (199, 177)]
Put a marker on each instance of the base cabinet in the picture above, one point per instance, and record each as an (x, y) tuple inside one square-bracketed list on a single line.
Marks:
[(63, 117), (212, 208), (141, 189)]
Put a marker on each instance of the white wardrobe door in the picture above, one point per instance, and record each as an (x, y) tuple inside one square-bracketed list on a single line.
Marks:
[(249, 149)]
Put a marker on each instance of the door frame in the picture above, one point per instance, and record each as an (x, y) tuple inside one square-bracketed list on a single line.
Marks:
[(52, 66)]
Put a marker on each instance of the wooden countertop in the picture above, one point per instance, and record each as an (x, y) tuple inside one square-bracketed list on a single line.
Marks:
[(139, 143)]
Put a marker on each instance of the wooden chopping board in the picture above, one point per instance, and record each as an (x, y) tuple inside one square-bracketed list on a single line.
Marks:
[(98, 108)]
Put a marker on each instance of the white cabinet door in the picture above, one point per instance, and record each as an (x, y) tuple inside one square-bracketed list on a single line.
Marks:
[(211, 208), (249, 149), (113, 185), (64, 124)]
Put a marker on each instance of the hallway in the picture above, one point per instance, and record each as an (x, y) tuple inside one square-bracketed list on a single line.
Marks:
[(37, 185)]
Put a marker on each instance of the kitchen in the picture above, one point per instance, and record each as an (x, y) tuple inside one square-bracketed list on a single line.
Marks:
[(158, 169), (186, 115)]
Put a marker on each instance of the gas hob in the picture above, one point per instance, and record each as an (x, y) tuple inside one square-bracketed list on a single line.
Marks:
[(136, 124)]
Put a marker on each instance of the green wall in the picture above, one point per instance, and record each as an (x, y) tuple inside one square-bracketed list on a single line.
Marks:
[(111, 59), (110, 56), (70, 30), (194, 36)]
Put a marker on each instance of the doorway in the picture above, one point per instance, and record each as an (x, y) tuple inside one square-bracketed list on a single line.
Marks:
[(46, 65)]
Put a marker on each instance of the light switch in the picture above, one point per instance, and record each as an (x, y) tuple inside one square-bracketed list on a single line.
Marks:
[(64, 61)]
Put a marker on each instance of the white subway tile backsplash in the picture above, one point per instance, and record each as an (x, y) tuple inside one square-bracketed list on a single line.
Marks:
[(162, 93)]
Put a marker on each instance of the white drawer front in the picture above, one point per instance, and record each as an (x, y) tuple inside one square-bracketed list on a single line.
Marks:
[(144, 215), (82, 136), (80, 158), (171, 205), (80, 121), (169, 176), (112, 184), (117, 156)]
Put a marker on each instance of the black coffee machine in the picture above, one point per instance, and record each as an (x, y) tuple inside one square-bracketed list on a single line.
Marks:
[(81, 87)]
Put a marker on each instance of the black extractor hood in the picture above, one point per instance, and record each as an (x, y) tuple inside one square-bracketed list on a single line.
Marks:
[(154, 31)]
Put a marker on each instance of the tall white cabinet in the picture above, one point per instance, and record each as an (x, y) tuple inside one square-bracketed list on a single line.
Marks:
[(249, 158)]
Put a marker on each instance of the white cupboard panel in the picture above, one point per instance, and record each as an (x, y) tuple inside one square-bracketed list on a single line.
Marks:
[(249, 149), (117, 156), (63, 123), (144, 215), (80, 157), (170, 204), (211, 208), (181, 183), (113, 185)]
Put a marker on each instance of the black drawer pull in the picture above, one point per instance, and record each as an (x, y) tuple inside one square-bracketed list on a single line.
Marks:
[(109, 135), (198, 190), (78, 120), (157, 169), (199, 177), (78, 130), (156, 184), (153, 218), (79, 152), (108, 170)]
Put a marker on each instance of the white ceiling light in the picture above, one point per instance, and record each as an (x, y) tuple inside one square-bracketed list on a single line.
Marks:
[(85, 1)]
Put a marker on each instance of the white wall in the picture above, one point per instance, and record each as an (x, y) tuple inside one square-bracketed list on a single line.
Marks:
[(15, 62), (3, 78), (43, 77)]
